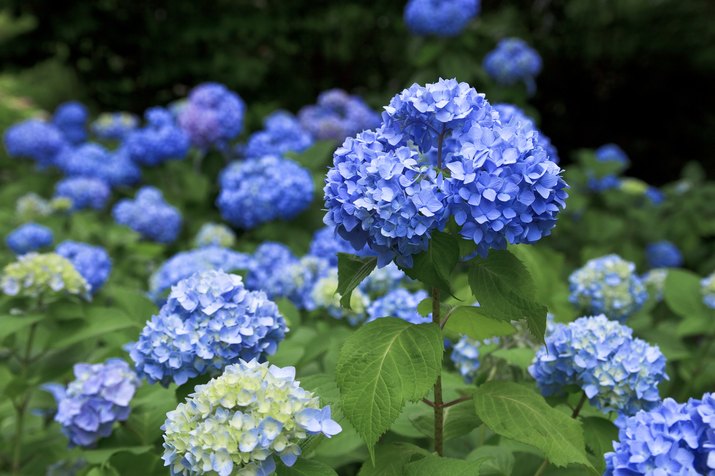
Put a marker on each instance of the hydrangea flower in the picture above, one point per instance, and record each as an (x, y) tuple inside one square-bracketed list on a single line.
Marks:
[(663, 254), (84, 192), (259, 190), (98, 397), (268, 258), (114, 125), (282, 133), (42, 277), (92, 262), (509, 114), (327, 244), (160, 140), (442, 18), (209, 321), (337, 115), (399, 303), (602, 184), (93, 160), (654, 281), (707, 288), (213, 116), (237, 423), (616, 371), (383, 280), (215, 234), (149, 215), (36, 140), (29, 237), (608, 285), (31, 206), (655, 196), (294, 280), (71, 119), (512, 61), (612, 153), (671, 439), (325, 296), (465, 356)]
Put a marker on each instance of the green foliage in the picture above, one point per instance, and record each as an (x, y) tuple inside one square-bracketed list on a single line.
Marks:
[(434, 266), (352, 270)]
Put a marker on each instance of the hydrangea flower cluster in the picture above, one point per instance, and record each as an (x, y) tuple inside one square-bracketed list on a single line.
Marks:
[(215, 234), (92, 262), (282, 133), (337, 115), (98, 397), (608, 285), (41, 277), (655, 195), (31, 206), (71, 119), (399, 303), (465, 356), (325, 296), (184, 264), (612, 153), (237, 423), (443, 18), (672, 439), (160, 140), (36, 140), (510, 114), (213, 116), (327, 244), (654, 281), (114, 125), (512, 61), (209, 321), (296, 281), (84, 192), (616, 371), (29, 237), (93, 160), (707, 288), (149, 215), (268, 258), (263, 189), (663, 254), (383, 280)]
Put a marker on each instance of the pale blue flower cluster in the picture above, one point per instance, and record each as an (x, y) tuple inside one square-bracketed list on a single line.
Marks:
[(238, 423), (707, 288), (266, 260), (215, 234), (663, 254), (608, 285), (149, 215), (36, 140), (98, 397), (654, 281), (71, 120), (672, 439), (327, 244), (609, 153), (512, 61), (510, 114), (443, 18), (655, 195), (212, 116), (84, 192), (160, 140), (337, 115), (325, 297), (29, 237), (383, 280), (616, 371), (114, 125), (209, 321), (92, 262), (260, 190), (282, 133), (612, 153), (93, 160), (399, 303), (465, 356)]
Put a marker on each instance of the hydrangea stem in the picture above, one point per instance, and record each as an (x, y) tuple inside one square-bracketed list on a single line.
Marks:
[(21, 407), (577, 409), (438, 407)]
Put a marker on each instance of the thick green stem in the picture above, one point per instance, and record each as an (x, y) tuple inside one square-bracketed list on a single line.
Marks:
[(577, 409), (438, 407), (21, 407)]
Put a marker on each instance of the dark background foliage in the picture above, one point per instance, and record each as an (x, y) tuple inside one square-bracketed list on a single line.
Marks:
[(635, 72)]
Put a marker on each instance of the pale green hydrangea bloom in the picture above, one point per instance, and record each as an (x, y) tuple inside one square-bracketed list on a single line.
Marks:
[(42, 276), (215, 234)]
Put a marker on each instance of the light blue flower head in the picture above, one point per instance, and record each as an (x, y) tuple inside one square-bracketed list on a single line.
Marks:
[(160, 140), (337, 115), (282, 133), (513, 61), (92, 160), (149, 215), (707, 288), (399, 303), (510, 114), (465, 356), (36, 140), (84, 192), (71, 119), (114, 125), (212, 116), (443, 18), (92, 262), (325, 297), (215, 234), (29, 237), (663, 254)]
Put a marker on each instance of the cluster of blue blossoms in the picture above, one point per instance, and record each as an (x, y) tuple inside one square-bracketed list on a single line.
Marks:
[(443, 18), (71, 120), (613, 153), (337, 115), (149, 215), (616, 371), (465, 356), (654, 281), (114, 125), (92, 262), (29, 237), (671, 439), (608, 285), (98, 397), (35, 140), (84, 192), (327, 244), (282, 133), (387, 189), (115, 168), (160, 140), (209, 321), (399, 303), (215, 234), (510, 114), (707, 287), (212, 116), (263, 189), (663, 254), (512, 61)]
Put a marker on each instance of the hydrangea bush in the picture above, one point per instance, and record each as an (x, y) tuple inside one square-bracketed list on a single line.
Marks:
[(42, 277), (149, 215), (29, 237)]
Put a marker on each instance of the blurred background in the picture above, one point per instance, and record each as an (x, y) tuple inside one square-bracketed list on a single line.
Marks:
[(638, 73)]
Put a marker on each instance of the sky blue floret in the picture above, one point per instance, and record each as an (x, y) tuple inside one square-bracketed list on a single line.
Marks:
[(149, 215), (268, 258), (282, 133), (337, 115), (71, 119), (383, 280), (93, 160), (92, 262), (36, 140), (707, 288), (215, 234), (84, 192), (510, 114), (327, 244), (291, 279), (212, 116), (663, 254), (114, 125), (29, 237), (160, 140), (612, 153), (513, 61), (465, 356), (655, 196), (443, 18), (399, 303), (654, 281)]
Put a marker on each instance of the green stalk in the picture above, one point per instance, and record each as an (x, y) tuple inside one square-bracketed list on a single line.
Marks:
[(21, 408), (438, 404)]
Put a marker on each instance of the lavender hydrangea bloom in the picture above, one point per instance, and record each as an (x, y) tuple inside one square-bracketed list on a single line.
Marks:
[(98, 397), (161, 140), (93, 160), (263, 189), (149, 215), (512, 61), (36, 140), (29, 237), (71, 119), (213, 116), (209, 321), (84, 192), (707, 288), (465, 356), (114, 125), (663, 254), (616, 371), (337, 115), (282, 133), (399, 303), (92, 262), (512, 115), (443, 18)]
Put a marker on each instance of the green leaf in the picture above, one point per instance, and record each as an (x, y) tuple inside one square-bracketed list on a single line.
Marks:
[(390, 460), (10, 325), (434, 266), (425, 307), (470, 321), (600, 433), (149, 408), (435, 466), (305, 467), (459, 420), (95, 328), (351, 272), (103, 455), (682, 294), (519, 413), (385, 364), (497, 460), (518, 357)]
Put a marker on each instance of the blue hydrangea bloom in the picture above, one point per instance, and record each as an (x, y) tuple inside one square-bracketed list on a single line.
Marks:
[(602, 184), (442, 18), (337, 115), (663, 254), (282, 133), (263, 189), (655, 196), (654, 281), (93, 160), (149, 215), (184, 264), (616, 371), (608, 285), (512, 61), (209, 321), (266, 260), (510, 114), (71, 119), (29, 237), (36, 140), (213, 116), (297, 281), (707, 287), (239, 422), (160, 140), (325, 297), (465, 356), (383, 280), (98, 397), (672, 439), (399, 303), (114, 125), (215, 234), (84, 192), (327, 244), (92, 262), (612, 153)]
